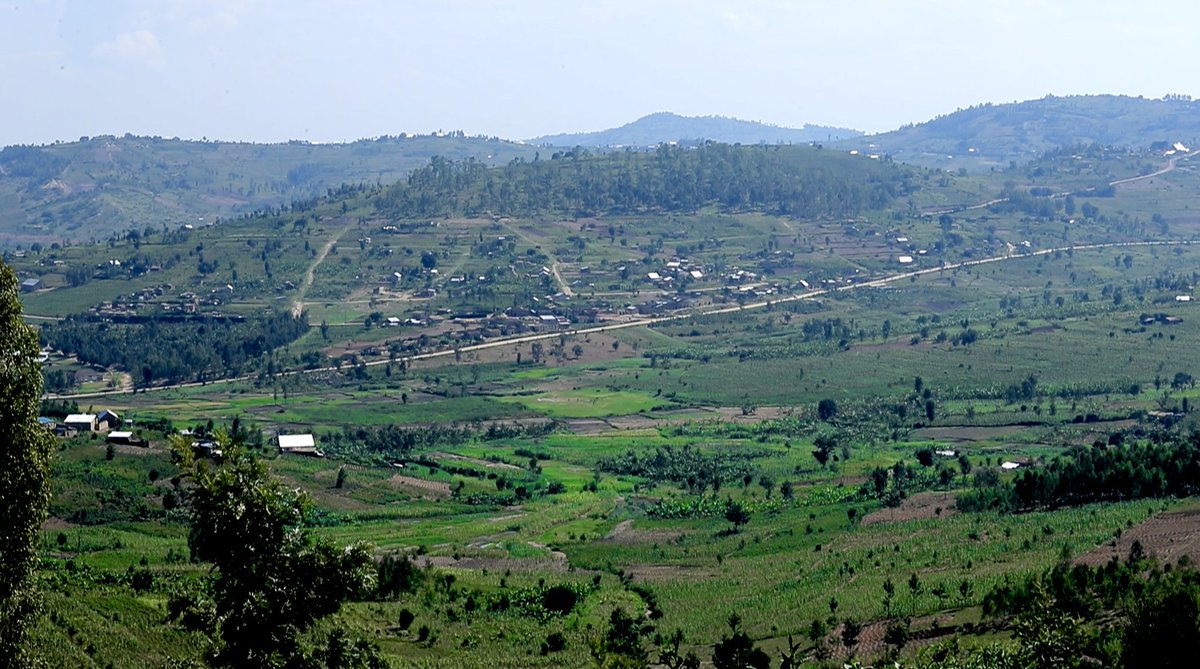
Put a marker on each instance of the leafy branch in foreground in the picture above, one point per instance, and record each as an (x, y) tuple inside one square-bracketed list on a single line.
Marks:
[(273, 579), (24, 473)]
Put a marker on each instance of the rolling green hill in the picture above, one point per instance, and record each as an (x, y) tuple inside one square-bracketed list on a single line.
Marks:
[(993, 135), (667, 127), (782, 390), (87, 190)]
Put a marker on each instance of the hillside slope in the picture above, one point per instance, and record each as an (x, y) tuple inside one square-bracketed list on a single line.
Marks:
[(87, 190), (667, 127), (989, 135)]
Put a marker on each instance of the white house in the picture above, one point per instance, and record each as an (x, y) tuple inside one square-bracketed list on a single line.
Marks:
[(299, 444), (81, 422)]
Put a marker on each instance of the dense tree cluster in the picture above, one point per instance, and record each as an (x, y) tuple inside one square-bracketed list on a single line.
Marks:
[(786, 180), (391, 441), (1148, 613), (160, 350), (1102, 472), (685, 466)]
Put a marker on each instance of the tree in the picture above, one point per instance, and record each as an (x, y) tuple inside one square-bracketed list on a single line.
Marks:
[(736, 514), (737, 650), (670, 656), (827, 409), (925, 456), (851, 629), (964, 464), (897, 634), (1163, 630), (620, 646), (930, 410), (825, 445), (24, 474), (273, 579)]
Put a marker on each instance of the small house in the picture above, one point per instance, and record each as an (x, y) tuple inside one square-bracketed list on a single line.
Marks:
[(30, 285), (81, 422), (299, 444), (126, 438), (47, 423), (87, 376), (108, 420)]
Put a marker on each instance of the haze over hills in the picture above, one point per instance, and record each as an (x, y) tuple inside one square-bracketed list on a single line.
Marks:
[(667, 127), (88, 189), (994, 135)]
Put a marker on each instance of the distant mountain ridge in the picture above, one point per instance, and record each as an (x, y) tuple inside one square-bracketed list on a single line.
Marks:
[(89, 189), (993, 135), (668, 127)]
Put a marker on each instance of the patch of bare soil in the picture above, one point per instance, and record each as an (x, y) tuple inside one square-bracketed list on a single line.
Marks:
[(668, 572), (125, 449), (1167, 536), (624, 534), (921, 506), (53, 523), (435, 487), (924, 631), (535, 565), (968, 433), (475, 461), (588, 425)]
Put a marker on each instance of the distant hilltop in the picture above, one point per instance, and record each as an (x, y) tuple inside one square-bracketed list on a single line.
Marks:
[(668, 127), (990, 136)]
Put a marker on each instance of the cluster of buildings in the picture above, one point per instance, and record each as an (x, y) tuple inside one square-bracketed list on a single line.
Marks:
[(104, 422), (675, 271)]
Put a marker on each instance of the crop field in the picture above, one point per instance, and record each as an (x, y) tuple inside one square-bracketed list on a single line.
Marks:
[(679, 414)]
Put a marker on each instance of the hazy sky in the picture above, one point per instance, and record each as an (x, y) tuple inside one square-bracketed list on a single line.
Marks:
[(334, 70)]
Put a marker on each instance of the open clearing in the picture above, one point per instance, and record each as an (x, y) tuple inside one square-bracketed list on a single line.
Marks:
[(922, 506), (1167, 536)]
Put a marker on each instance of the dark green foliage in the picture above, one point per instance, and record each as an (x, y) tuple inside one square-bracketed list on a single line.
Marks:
[(555, 643), (1093, 474), (686, 466), (396, 576), (827, 409), (342, 652), (559, 599), (851, 629), (737, 650), (274, 579), (24, 473), (406, 619), (1163, 629), (737, 514), (791, 181), (391, 441), (670, 656), (159, 350), (620, 645)]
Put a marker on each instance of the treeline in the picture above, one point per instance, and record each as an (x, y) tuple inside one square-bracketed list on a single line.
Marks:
[(685, 466), (1132, 613), (156, 350), (392, 442), (786, 180), (1102, 472)]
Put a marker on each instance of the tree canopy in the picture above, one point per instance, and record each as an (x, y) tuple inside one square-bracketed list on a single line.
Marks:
[(274, 579), (24, 473)]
